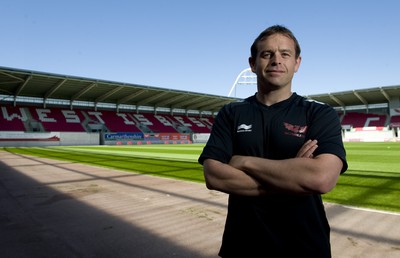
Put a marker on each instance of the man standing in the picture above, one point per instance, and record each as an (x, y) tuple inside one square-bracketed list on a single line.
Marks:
[(275, 153)]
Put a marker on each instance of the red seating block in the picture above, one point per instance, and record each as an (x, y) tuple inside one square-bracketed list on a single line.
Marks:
[(359, 120), (12, 118)]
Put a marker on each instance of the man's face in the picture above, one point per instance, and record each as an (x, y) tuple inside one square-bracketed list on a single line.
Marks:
[(275, 63)]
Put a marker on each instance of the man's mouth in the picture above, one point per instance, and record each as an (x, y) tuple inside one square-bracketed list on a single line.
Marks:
[(274, 71)]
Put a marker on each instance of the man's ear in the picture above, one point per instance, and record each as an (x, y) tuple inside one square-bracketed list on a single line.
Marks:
[(297, 66), (252, 64)]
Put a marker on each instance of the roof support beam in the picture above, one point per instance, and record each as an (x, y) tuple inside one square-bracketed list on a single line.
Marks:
[(108, 94), (54, 89), (20, 88), (156, 96), (360, 97), (83, 91), (170, 100), (126, 99), (336, 100), (191, 100), (215, 106), (12, 76), (23, 85), (203, 104), (384, 93)]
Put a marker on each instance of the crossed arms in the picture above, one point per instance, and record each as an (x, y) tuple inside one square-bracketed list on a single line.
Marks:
[(253, 176)]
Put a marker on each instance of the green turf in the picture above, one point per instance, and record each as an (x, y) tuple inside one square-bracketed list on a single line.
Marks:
[(174, 161), (372, 180)]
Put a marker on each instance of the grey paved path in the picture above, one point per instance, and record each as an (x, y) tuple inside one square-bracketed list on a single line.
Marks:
[(57, 209)]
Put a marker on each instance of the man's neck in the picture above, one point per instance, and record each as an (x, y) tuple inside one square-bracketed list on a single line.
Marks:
[(272, 97)]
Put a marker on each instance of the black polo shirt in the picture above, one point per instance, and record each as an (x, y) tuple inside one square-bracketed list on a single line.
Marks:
[(275, 225)]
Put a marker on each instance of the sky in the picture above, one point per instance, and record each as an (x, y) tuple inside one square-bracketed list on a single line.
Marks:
[(202, 46)]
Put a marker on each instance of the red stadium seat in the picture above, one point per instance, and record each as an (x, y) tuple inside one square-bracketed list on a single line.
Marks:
[(13, 118), (360, 120)]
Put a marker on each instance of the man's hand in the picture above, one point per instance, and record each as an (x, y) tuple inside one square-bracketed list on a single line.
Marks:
[(307, 150)]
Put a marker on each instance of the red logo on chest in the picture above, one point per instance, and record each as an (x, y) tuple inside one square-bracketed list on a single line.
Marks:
[(295, 130)]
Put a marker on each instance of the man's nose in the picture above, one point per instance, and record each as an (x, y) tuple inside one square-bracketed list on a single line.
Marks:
[(276, 59)]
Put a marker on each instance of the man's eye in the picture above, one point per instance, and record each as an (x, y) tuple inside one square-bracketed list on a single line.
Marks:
[(266, 55)]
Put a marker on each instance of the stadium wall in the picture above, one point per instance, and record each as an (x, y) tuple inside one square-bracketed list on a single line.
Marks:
[(153, 138), (370, 134), (22, 139), (200, 137)]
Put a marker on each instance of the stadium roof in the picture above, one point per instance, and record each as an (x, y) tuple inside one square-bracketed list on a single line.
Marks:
[(370, 96), (25, 83)]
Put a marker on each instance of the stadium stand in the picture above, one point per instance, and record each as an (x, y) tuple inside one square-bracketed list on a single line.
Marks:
[(12, 118), (194, 123), (207, 120), (35, 119), (360, 120), (156, 123), (395, 121), (55, 119), (37, 102), (129, 125)]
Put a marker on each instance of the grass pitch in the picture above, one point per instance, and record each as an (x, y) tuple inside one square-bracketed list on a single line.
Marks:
[(371, 181)]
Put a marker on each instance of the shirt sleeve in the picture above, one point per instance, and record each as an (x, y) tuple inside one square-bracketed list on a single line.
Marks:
[(326, 128), (219, 146)]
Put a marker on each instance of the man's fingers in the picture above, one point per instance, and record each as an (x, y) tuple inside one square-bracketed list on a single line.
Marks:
[(307, 149), (310, 151)]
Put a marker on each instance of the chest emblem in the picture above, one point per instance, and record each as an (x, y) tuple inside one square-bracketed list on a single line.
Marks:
[(295, 130), (244, 128)]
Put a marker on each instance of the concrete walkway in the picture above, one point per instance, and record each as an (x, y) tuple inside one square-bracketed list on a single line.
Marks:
[(53, 208)]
